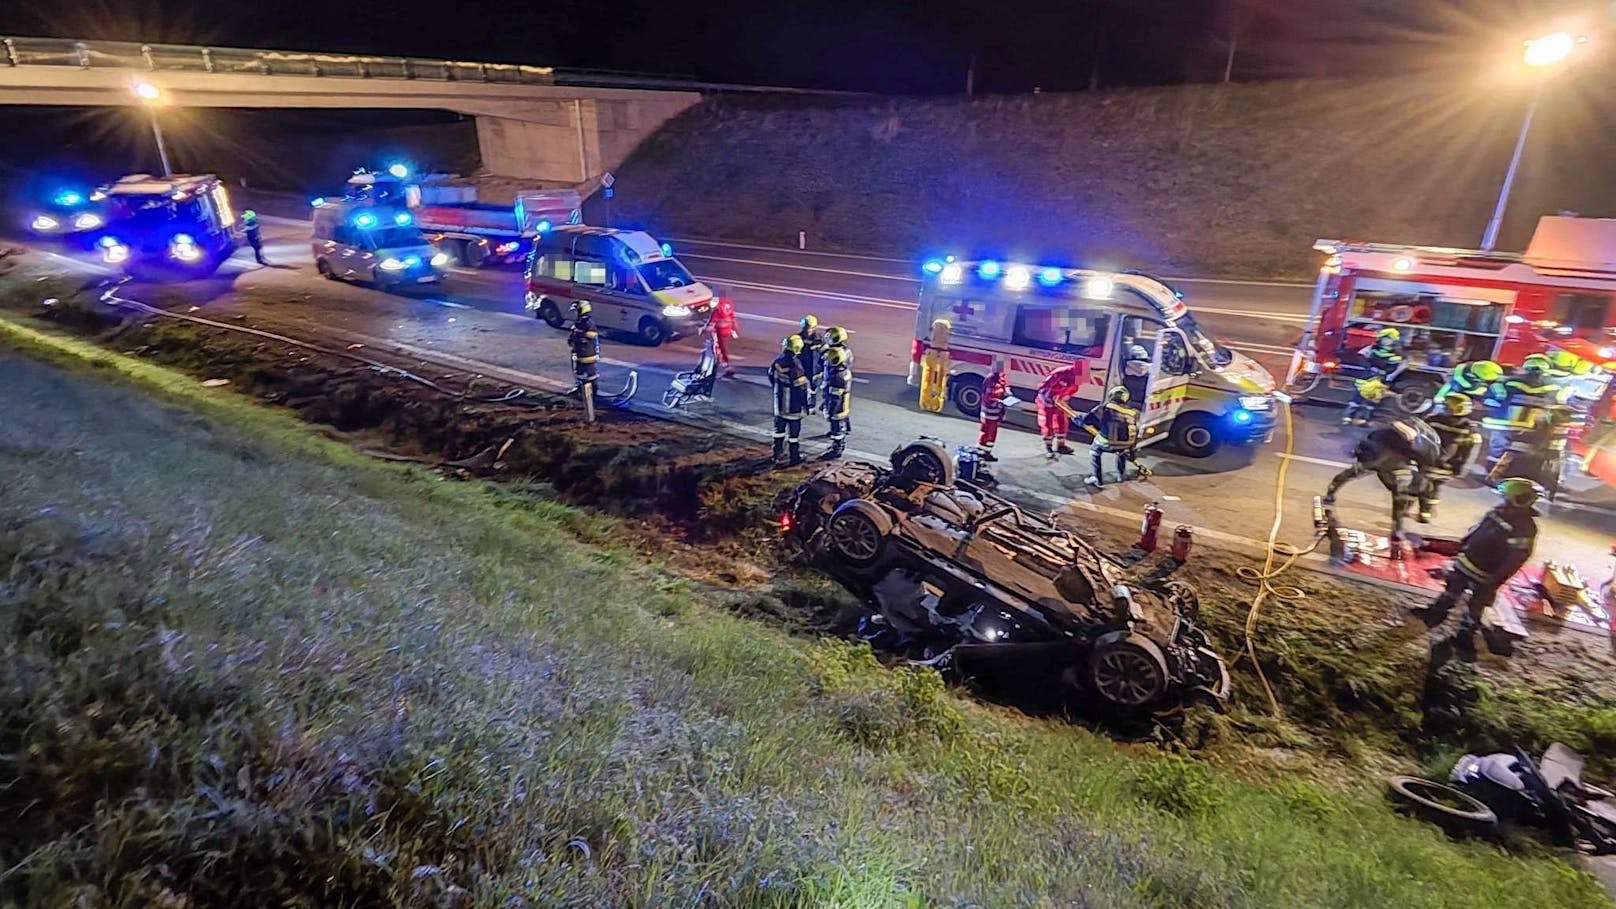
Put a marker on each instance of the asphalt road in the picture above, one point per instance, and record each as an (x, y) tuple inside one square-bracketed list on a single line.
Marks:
[(477, 317)]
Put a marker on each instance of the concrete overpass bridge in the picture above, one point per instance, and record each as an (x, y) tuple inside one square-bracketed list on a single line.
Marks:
[(534, 122)]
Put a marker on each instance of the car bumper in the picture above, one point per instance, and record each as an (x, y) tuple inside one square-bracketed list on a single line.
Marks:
[(1256, 430), (421, 276)]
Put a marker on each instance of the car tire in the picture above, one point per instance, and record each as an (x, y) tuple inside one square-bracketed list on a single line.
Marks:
[(925, 461), (652, 332), (549, 313), (454, 249), (1128, 671), (966, 391), (1415, 395), (1195, 435), (473, 253), (324, 268), (1443, 805), (857, 532)]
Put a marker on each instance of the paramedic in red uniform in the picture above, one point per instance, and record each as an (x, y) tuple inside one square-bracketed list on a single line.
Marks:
[(724, 327), (1054, 413), (994, 391)]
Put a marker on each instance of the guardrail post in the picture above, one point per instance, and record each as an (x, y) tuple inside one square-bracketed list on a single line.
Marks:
[(316, 69), (482, 71), (364, 71), (145, 54), (448, 74), (11, 52), (207, 59), (409, 70), (82, 54)]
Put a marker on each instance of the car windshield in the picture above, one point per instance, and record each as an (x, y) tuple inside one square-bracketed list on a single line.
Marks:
[(665, 274), (1211, 351), (394, 237)]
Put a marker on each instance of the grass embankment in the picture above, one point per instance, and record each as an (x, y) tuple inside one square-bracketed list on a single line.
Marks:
[(245, 665)]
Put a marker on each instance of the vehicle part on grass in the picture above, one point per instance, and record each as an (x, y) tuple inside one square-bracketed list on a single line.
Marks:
[(1547, 793), (952, 569), (1443, 805)]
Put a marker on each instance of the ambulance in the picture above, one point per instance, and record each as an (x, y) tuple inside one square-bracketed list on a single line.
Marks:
[(634, 284), (1201, 396)]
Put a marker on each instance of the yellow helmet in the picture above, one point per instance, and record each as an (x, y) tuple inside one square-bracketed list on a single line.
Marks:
[(582, 307), (791, 344), (1371, 389), (1486, 371), (836, 356), (1117, 394), (809, 322), (1388, 334), (1519, 491), (836, 334), (1457, 404), (1565, 359), (1536, 361)]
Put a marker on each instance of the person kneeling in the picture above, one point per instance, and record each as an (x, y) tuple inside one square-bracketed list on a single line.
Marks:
[(1115, 426)]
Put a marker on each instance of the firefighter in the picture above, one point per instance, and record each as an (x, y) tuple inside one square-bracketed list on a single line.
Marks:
[(1539, 453), (1517, 401), (991, 413), (1456, 429), (584, 341), (1400, 454), (838, 388), (249, 228), (1471, 379), (1116, 431), (724, 327), (1384, 361), (1054, 410), (836, 339), (790, 386), (1489, 555), (1136, 376), (813, 347)]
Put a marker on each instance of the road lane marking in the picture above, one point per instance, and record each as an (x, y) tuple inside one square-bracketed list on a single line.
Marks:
[(828, 271), (820, 294), (1235, 282), (1300, 319), (787, 249), (449, 303), (1322, 462)]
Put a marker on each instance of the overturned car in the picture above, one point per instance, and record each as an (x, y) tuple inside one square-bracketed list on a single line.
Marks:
[(970, 578)]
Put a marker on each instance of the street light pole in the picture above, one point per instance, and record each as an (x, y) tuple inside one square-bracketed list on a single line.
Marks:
[(1490, 238), (152, 98), (162, 149)]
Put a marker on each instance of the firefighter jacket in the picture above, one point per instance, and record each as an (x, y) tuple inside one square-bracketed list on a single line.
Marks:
[(1382, 361), (1061, 384), (1463, 381), (838, 389), (1114, 425), (994, 391), (1459, 438), (1499, 545), (1520, 400), (790, 385), (813, 347), (584, 341)]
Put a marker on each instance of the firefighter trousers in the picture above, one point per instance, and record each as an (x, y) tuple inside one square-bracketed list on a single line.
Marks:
[(788, 432), (1482, 595), (1399, 481), (1123, 454)]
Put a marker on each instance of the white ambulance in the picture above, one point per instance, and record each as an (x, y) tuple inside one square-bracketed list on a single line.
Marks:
[(1200, 394)]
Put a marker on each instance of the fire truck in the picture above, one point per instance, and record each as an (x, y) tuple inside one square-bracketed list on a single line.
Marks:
[(167, 228), (1453, 306)]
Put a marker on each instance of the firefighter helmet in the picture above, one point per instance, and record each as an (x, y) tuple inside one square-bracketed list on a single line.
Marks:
[(1117, 394), (1565, 360), (836, 334), (1388, 334), (791, 344), (1536, 362), (1457, 404), (249, 216), (809, 322), (836, 356), (1485, 371), (1138, 352), (581, 308), (1520, 492)]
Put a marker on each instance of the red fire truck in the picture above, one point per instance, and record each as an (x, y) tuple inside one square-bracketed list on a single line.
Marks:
[(1453, 306)]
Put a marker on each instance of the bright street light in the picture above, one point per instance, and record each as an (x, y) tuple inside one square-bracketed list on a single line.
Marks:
[(1541, 53), (151, 96)]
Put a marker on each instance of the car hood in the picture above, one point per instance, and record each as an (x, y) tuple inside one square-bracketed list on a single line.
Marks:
[(1247, 375), (689, 295)]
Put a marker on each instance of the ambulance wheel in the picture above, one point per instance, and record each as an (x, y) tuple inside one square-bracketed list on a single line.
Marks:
[(967, 394), (549, 313), (1195, 435), (652, 332)]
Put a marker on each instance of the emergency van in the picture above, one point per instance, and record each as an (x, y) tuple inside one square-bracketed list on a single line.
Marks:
[(1200, 395), (1453, 306), (380, 246), (633, 283)]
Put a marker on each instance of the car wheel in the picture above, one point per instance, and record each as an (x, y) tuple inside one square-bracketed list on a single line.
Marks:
[(473, 253), (1443, 805), (925, 461), (1128, 671), (652, 331), (550, 313), (967, 393), (454, 249), (857, 532), (324, 268), (1195, 435), (1414, 396)]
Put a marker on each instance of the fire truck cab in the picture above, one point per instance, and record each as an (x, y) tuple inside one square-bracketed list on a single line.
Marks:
[(166, 228), (1454, 306)]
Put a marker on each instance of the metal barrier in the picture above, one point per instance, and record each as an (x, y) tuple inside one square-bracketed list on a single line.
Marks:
[(183, 57)]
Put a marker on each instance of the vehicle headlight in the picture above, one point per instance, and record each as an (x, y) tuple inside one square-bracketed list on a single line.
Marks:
[(115, 252), (45, 222), (441, 260), (675, 311), (392, 264), (184, 248), (1256, 402), (88, 221)]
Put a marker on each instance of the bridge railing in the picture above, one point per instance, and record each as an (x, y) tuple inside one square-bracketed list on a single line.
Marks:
[(169, 57)]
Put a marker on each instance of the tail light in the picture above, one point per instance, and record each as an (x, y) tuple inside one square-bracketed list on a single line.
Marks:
[(785, 522)]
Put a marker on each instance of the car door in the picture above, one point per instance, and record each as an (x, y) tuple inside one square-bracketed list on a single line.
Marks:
[(590, 278)]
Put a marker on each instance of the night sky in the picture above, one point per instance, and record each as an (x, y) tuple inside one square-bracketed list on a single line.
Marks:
[(918, 46)]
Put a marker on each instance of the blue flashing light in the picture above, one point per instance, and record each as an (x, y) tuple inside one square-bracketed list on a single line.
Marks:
[(1049, 277), (398, 169), (932, 266), (412, 261), (402, 219), (667, 249), (69, 197), (107, 242), (542, 226), (364, 220), (1240, 416), (989, 270), (317, 201)]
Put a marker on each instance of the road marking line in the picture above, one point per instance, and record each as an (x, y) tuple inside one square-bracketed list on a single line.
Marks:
[(449, 303), (828, 271), (761, 318), (81, 263), (821, 294), (1322, 462), (1236, 282), (787, 249), (1251, 314)]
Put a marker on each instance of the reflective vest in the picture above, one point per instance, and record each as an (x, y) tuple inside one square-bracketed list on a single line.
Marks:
[(584, 341), (1522, 400), (838, 391), (790, 386)]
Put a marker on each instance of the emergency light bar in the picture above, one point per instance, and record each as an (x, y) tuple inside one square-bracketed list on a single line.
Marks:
[(1014, 276)]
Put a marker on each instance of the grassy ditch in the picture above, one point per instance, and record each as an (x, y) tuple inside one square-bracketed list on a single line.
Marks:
[(246, 665)]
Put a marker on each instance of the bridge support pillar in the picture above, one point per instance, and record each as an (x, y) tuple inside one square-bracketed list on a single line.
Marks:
[(572, 141)]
